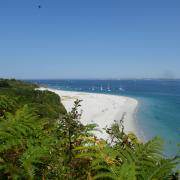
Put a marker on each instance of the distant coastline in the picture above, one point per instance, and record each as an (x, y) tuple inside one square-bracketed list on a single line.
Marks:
[(101, 109), (157, 112)]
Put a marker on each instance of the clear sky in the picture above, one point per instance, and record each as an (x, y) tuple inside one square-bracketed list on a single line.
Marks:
[(89, 38)]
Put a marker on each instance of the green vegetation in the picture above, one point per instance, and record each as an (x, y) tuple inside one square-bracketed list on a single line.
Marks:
[(40, 140)]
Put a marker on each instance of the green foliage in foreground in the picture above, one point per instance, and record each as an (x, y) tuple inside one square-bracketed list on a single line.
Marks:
[(46, 144)]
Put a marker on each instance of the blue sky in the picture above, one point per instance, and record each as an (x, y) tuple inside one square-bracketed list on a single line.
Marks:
[(90, 38)]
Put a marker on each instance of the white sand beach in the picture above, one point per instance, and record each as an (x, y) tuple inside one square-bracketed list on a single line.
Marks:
[(101, 109)]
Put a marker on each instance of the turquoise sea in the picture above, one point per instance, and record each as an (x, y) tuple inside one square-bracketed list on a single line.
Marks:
[(158, 111)]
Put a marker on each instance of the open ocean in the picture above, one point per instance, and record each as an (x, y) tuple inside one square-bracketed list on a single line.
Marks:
[(158, 112)]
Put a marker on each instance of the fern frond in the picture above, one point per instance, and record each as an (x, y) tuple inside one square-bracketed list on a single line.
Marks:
[(104, 175)]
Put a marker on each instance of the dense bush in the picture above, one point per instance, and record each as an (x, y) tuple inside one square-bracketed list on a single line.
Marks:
[(46, 103)]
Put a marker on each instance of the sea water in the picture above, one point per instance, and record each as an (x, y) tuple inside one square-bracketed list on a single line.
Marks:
[(158, 112)]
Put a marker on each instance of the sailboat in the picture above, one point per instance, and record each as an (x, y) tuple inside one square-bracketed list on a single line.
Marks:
[(101, 88), (108, 88)]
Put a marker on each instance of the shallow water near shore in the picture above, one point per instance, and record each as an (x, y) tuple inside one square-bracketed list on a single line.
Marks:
[(158, 111)]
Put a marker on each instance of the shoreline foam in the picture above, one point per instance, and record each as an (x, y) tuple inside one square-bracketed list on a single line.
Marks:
[(101, 109)]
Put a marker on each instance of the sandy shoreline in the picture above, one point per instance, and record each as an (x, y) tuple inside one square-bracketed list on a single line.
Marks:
[(101, 109)]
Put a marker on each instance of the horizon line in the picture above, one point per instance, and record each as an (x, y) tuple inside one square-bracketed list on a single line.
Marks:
[(95, 78)]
